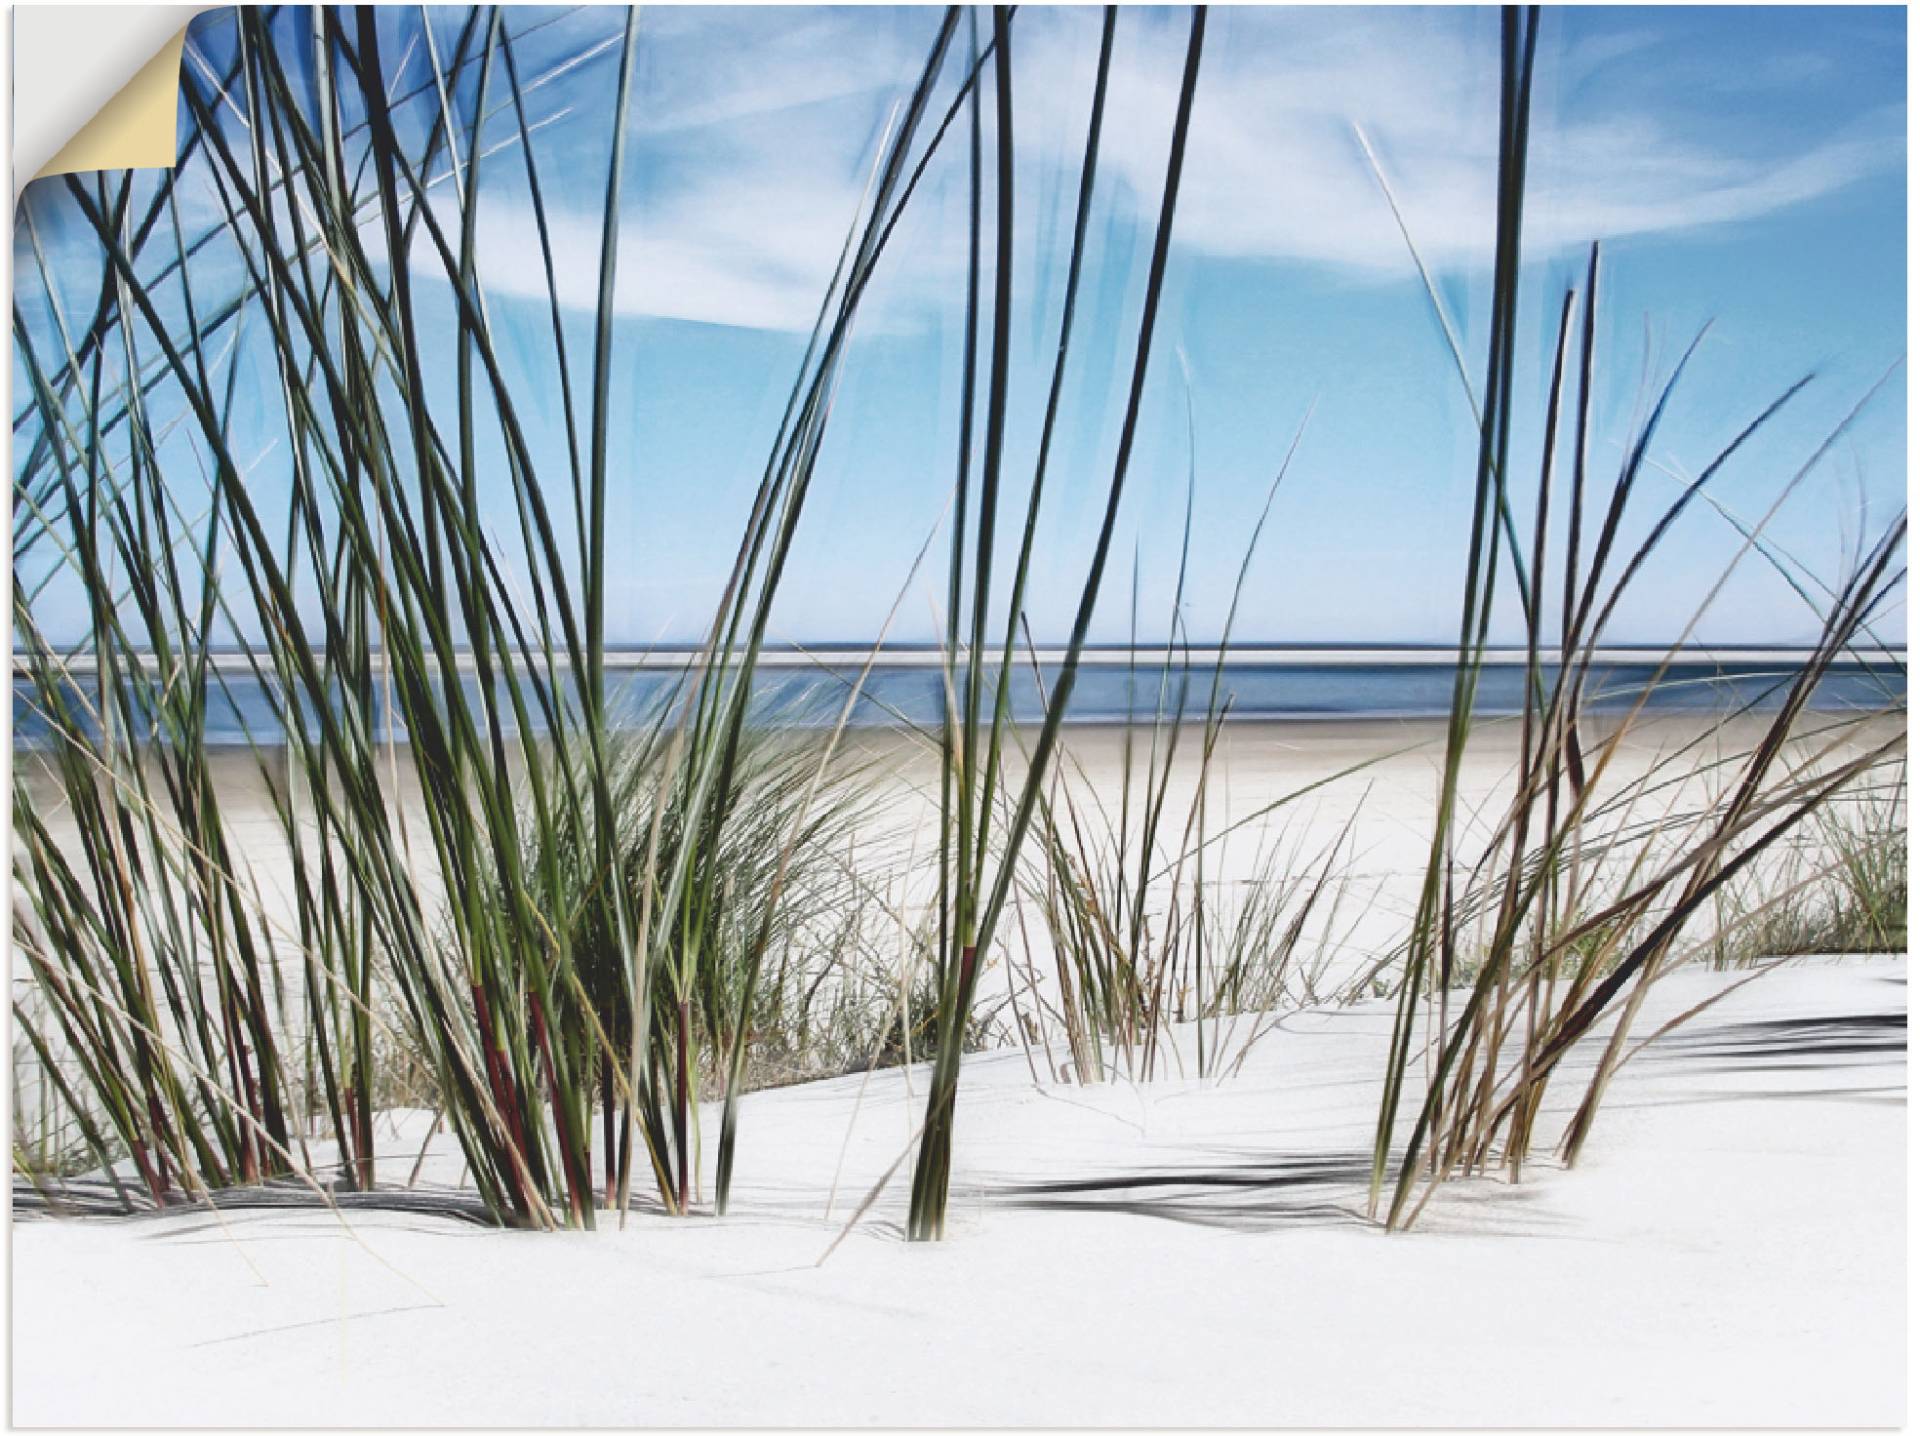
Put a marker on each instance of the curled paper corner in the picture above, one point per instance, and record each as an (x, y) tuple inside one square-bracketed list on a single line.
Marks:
[(95, 87)]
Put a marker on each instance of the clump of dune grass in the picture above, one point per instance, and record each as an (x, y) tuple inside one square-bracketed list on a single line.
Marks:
[(1580, 900), (1839, 887), (1866, 833), (154, 974), (775, 857), (382, 598), (1143, 931)]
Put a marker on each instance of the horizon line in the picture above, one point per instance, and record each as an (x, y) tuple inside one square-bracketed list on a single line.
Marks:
[(230, 658)]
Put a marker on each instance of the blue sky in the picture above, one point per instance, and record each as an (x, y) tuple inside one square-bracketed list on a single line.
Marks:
[(1739, 165)]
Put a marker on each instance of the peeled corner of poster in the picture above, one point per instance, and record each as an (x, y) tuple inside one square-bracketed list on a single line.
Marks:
[(95, 87)]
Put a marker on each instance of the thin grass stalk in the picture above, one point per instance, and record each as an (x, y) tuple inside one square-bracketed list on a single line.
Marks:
[(927, 1206), (1517, 35)]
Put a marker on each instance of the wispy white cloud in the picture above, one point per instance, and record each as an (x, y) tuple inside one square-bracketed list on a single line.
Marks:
[(1275, 171), (749, 133), (707, 258), (752, 131)]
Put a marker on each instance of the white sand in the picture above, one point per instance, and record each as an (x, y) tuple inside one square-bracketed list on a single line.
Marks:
[(1369, 787), (1730, 1252), (1290, 790)]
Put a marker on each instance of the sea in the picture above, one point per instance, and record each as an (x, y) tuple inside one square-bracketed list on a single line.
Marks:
[(907, 687)]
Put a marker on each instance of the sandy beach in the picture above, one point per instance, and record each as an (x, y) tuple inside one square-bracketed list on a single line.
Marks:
[(1180, 1251), (1275, 792), (1730, 1252)]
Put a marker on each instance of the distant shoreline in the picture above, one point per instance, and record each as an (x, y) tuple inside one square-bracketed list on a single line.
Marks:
[(810, 689), (833, 655)]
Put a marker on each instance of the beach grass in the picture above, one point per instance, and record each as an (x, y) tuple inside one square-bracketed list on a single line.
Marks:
[(382, 592), (480, 882), (975, 880), (1576, 941)]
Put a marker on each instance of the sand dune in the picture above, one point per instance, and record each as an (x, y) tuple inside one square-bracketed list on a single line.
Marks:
[(1183, 1251), (1730, 1252)]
